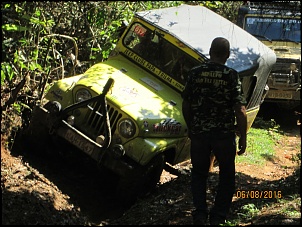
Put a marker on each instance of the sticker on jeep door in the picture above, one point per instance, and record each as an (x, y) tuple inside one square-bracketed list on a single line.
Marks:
[(139, 30)]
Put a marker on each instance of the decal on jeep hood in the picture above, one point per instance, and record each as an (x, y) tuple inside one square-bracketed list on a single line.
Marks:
[(169, 125)]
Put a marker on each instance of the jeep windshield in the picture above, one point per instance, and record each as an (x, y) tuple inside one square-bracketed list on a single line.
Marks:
[(154, 48), (274, 29)]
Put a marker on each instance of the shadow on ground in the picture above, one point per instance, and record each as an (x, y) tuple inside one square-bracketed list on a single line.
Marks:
[(170, 204)]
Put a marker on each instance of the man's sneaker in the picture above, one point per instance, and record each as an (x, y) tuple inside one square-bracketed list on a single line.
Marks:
[(199, 218)]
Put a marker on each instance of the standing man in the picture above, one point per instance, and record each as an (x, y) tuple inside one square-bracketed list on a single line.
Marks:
[(213, 103)]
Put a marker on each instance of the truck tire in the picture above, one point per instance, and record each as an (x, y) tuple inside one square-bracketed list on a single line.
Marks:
[(142, 181)]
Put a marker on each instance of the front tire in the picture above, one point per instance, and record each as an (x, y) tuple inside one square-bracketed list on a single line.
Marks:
[(142, 181)]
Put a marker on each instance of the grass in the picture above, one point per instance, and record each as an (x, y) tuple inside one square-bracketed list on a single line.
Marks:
[(261, 142), (290, 206), (249, 210), (262, 139)]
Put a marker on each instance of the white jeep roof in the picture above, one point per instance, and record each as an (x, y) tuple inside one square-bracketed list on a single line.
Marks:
[(197, 26)]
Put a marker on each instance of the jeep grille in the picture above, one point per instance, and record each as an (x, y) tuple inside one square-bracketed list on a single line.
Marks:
[(94, 124), (281, 73)]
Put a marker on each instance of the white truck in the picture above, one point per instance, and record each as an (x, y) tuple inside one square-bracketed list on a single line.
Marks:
[(278, 25)]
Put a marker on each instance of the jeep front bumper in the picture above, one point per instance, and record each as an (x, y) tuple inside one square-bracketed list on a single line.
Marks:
[(103, 156)]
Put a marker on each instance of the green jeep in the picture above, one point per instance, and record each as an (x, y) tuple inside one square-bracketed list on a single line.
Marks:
[(126, 113), (278, 25)]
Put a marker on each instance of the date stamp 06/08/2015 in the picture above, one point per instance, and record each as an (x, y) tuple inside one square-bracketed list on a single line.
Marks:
[(258, 194)]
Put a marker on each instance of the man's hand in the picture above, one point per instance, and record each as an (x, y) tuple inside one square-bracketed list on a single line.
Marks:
[(241, 128), (241, 146)]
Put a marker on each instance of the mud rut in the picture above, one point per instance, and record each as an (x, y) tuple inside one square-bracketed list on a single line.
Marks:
[(79, 178)]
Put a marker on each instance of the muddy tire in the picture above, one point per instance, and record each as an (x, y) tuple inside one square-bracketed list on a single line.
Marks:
[(142, 181), (35, 135)]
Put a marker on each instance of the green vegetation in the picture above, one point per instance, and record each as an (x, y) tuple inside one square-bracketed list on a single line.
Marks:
[(263, 138), (46, 41), (249, 211), (261, 142), (290, 206)]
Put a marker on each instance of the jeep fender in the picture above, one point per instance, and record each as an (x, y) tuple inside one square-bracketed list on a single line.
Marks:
[(142, 150)]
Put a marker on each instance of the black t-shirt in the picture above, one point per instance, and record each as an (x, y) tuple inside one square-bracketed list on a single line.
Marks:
[(213, 90)]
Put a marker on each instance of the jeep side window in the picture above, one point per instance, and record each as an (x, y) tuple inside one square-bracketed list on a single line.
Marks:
[(154, 48)]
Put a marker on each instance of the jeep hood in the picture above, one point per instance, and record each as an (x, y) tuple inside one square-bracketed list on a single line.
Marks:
[(141, 96), (289, 50)]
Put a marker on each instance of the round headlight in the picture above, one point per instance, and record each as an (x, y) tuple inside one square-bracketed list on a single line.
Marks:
[(126, 128), (70, 120), (82, 95), (293, 66)]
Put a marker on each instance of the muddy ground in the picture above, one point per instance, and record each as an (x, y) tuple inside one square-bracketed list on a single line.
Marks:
[(40, 187)]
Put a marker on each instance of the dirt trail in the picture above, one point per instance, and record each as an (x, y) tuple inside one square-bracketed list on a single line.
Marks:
[(45, 188)]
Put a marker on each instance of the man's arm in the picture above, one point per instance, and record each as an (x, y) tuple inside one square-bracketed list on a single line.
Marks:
[(186, 103), (186, 111), (241, 119)]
